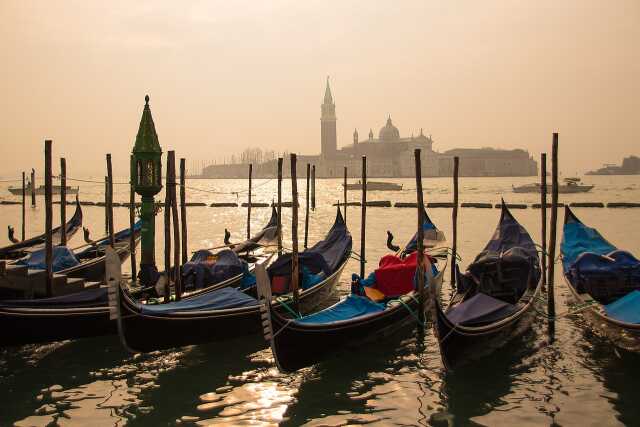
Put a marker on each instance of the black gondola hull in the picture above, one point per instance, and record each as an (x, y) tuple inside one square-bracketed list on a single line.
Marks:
[(24, 326), (296, 345), (460, 345), (145, 333)]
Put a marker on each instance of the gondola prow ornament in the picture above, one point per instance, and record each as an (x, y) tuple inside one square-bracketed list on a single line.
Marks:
[(146, 178)]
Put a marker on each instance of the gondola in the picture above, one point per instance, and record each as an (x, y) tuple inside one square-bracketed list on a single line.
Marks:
[(495, 298), (20, 249), (78, 315), (604, 281), (228, 313), (386, 304)]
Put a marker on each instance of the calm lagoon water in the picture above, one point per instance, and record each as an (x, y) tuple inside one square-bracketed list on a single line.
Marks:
[(575, 380)]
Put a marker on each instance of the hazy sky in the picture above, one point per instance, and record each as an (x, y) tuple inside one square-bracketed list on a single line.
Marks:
[(225, 75)]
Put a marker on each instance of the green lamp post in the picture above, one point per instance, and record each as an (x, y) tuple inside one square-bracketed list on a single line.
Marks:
[(146, 178)]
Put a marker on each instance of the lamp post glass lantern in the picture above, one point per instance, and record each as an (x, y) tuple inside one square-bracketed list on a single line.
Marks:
[(146, 178)]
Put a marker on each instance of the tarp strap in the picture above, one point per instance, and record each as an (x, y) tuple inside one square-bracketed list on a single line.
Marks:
[(413, 314)]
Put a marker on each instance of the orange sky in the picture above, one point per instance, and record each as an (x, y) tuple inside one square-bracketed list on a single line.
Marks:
[(225, 75)]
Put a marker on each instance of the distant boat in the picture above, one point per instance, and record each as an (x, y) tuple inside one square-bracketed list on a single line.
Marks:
[(375, 186), (55, 189), (571, 185)]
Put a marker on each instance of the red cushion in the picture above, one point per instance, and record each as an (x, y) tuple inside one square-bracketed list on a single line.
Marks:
[(395, 276), (280, 284)]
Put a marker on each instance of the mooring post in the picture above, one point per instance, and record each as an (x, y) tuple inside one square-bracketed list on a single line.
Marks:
[(294, 232), (132, 235), (33, 188), (112, 241), (344, 194), (63, 201), (249, 203), (543, 209), (280, 206), (551, 304), (306, 214), (313, 187), (106, 205), (177, 275), (48, 215), (167, 234), (24, 202), (454, 220), (363, 221), (420, 238), (183, 210)]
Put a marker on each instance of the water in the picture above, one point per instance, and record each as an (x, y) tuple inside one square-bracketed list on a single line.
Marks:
[(576, 380)]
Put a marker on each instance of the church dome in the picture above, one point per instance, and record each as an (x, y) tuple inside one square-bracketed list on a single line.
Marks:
[(389, 132)]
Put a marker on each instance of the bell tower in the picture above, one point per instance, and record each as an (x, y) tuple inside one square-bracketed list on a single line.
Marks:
[(328, 138)]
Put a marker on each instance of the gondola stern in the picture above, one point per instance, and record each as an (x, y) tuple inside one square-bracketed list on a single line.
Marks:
[(569, 216)]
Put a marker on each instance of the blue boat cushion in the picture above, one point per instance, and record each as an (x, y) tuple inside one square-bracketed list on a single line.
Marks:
[(63, 258), (202, 271), (351, 307), (577, 239), (626, 309), (479, 309), (90, 298), (605, 277), (217, 300)]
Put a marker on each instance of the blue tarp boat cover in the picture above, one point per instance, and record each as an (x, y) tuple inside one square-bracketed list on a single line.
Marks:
[(325, 256), (217, 300), (63, 258), (626, 309), (577, 239), (89, 298), (351, 307), (267, 235), (480, 308), (199, 273)]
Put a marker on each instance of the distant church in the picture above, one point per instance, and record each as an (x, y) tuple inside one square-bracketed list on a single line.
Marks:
[(388, 155)]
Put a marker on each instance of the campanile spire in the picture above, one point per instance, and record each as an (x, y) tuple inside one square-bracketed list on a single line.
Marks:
[(328, 137)]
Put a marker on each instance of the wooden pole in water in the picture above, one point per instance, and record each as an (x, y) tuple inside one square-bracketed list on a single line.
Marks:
[(543, 209), (106, 203), (313, 187), (177, 276), (280, 206), (551, 306), (294, 231), (363, 224), (110, 201), (249, 204), (420, 237), (24, 203), (454, 220), (306, 215), (33, 188), (167, 234), (183, 210), (344, 191), (63, 201), (48, 215), (132, 236)]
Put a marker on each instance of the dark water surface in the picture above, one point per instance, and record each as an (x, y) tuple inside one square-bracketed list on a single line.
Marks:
[(577, 379)]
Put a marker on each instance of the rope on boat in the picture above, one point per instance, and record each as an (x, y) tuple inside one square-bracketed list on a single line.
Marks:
[(283, 300), (578, 308), (357, 256)]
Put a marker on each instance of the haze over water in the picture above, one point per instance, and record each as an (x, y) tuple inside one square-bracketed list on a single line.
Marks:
[(579, 380)]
